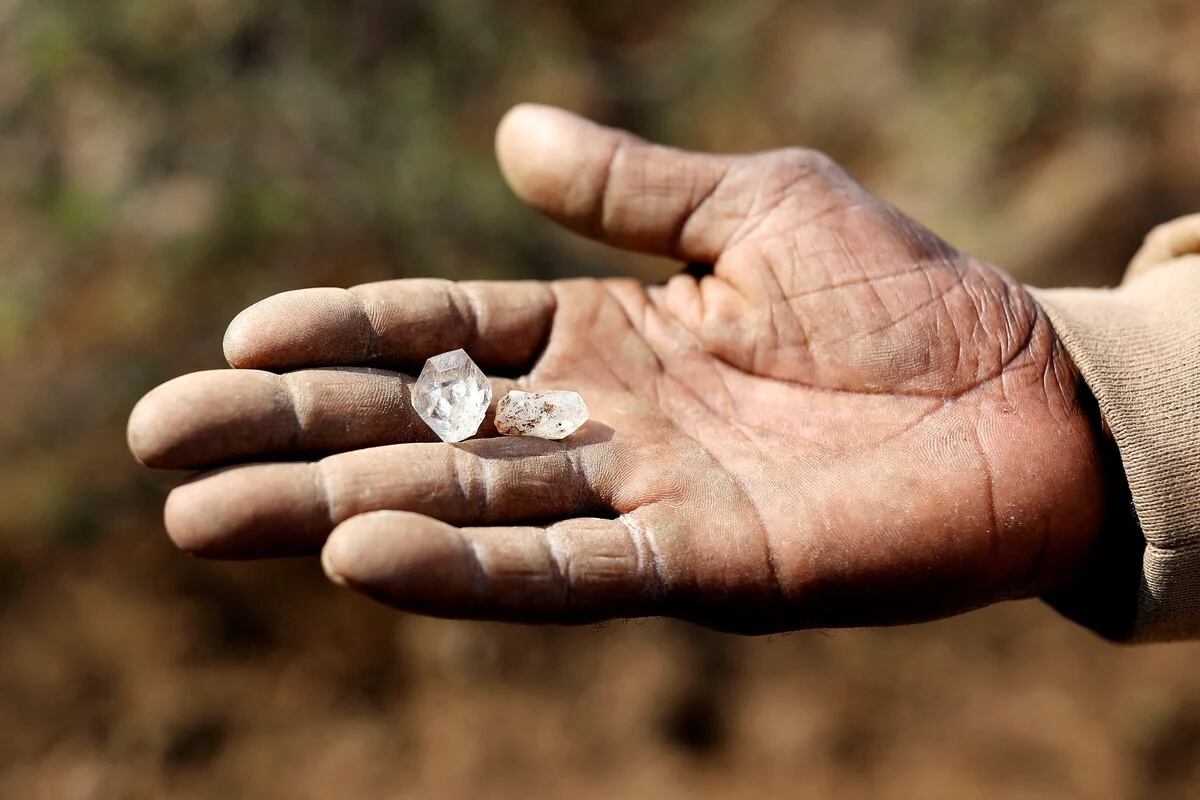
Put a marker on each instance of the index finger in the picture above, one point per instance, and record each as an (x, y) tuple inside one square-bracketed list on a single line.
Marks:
[(503, 325)]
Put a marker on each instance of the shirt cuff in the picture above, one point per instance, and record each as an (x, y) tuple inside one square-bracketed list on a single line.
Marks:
[(1138, 349)]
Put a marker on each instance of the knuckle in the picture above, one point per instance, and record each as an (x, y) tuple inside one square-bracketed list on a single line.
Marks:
[(560, 561), (806, 161), (804, 170), (614, 175), (473, 479)]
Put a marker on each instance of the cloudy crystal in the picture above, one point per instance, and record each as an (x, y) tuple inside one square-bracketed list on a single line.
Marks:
[(547, 415), (452, 395)]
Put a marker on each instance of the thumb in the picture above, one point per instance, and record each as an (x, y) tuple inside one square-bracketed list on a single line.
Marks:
[(613, 186)]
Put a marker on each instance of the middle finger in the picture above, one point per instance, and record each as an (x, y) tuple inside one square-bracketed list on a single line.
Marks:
[(258, 510), (221, 416)]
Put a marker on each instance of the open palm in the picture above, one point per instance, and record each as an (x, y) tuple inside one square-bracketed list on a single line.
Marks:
[(833, 417)]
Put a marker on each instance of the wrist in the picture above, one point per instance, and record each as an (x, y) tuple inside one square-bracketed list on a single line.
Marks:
[(1100, 589)]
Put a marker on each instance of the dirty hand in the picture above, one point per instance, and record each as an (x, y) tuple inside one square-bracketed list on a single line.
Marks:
[(831, 418)]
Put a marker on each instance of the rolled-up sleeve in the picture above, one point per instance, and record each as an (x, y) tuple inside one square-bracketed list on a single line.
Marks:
[(1138, 349)]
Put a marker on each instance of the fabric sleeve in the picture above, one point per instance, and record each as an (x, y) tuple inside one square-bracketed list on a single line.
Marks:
[(1138, 349)]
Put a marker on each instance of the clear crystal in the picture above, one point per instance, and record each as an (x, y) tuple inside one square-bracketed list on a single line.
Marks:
[(547, 415), (452, 395)]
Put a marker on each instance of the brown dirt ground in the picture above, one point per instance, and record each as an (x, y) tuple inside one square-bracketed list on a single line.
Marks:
[(165, 164)]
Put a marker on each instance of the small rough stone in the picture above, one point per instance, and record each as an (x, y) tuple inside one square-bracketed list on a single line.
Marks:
[(546, 415), (452, 395)]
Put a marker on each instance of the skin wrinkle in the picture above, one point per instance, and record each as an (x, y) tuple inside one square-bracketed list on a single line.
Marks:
[(539, 349), (375, 344), (835, 207), (713, 414), (643, 539), (857, 280), (801, 334), (287, 398), (1039, 330), (1064, 375), (661, 369), (800, 168), (989, 482), (940, 297), (732, 419), (775, 586), (1053, 384), (615, 298), (866, 391), (403, 400), (324, 494), (606, 184), (665, 376), (1026, 579), (772, 287), (678, 325), (850, 257), (636, 545), (751, 222), (1021, 581), (730, 398), (921, 419), (1003, 382), (978, 336), (580, 478), (757, 216), (465, 303), (475, 562), (666, 296), (693, 211), (981, 298), (1009, 313), (979, 310), (613, 372), (767, 542), (473, 479), (796, 257), (560, 560), (947, 312), (1026, 345), (952, 322), (1052, 387)]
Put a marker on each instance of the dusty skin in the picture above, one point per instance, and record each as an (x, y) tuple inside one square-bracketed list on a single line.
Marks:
[(832, 417)]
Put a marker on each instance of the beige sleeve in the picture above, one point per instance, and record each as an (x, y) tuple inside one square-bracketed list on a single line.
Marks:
[(1138, 348)]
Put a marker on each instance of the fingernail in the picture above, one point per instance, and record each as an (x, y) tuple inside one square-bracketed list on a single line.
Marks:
[(329, 559)]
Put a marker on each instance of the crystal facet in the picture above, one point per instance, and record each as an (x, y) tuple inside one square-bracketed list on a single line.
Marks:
[(452, 395), (547, 415)]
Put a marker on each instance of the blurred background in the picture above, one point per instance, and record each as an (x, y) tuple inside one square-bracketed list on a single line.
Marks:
[(163, 164)]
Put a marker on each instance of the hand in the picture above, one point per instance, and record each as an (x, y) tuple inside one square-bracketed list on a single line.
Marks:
[(832, 418)]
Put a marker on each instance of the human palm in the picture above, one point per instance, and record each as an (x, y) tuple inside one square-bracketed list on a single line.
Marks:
[(832, 417)]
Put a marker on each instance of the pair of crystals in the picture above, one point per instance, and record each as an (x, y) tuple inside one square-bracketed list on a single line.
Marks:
[(452, 395)]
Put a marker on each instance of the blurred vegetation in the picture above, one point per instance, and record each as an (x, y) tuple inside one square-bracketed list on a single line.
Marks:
[(163, 164)]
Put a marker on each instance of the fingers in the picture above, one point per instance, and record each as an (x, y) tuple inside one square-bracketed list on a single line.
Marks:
[(615, 187), (579, 570), (226, 415), (503, 325), (263, 510)]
